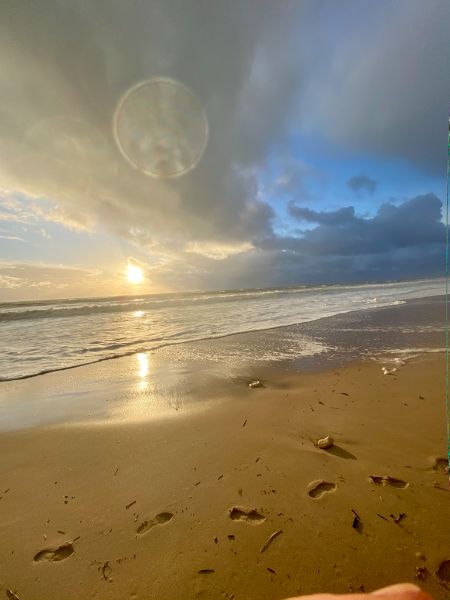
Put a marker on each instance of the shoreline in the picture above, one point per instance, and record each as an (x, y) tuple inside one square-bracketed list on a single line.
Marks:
[(348, 313), (181, 376)]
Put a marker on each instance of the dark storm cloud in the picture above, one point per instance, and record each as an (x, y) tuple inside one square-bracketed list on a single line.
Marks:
[(361, 183), (414, 224), (283, 267), (335, 217), (399, 242)]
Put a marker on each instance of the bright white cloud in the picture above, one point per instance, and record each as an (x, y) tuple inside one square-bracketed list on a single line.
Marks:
[(218, 251)]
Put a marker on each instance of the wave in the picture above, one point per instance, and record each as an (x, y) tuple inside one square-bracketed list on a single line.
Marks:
[(79, 307), (111, 306)]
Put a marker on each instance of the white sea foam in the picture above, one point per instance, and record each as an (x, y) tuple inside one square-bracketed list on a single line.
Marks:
[(406, 354)]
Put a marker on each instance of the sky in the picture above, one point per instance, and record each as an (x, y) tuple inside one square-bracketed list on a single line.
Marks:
[(319, 130)]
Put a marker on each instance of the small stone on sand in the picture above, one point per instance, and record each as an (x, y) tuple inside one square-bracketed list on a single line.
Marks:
[(325, 443), (255, 384), (387, 371), (421, 572)]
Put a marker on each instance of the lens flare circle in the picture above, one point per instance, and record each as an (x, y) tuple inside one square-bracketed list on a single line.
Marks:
[(161, 128)]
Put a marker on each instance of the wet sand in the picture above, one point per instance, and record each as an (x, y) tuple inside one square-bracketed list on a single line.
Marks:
[(229, 497), (188, 377)]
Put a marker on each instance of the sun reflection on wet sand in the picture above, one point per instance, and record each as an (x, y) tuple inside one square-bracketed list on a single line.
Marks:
[(143, 385), (143, 363)]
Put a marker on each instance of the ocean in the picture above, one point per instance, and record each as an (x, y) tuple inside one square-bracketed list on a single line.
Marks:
[(39, 337)]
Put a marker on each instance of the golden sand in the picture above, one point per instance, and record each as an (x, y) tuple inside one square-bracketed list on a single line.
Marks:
[(237, 501)]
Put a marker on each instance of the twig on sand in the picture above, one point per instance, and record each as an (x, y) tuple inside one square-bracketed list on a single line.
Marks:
[(357, 523), (438, 487), (270, 540), (206, 571), (384, 518)]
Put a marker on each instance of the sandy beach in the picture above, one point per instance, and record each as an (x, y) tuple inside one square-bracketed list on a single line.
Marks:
[(229, 497), (224, 299)]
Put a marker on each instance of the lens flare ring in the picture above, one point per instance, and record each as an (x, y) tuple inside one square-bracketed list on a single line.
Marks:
[(161, 128)]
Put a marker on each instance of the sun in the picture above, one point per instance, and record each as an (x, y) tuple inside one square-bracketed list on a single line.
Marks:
[(135, 274)]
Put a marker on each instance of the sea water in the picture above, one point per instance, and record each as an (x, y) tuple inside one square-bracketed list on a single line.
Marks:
[(37, 337)]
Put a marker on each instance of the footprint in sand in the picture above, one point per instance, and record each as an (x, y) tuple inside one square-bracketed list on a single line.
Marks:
[(160, 519), (317, 489), (391, 481), (440, 465), (55, 554), (443, 571), (251, 516)]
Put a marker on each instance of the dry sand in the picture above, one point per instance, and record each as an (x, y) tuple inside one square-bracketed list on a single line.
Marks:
[(234, 500)]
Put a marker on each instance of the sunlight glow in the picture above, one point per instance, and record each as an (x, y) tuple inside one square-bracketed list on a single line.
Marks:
[(143, 365), (135, 274)]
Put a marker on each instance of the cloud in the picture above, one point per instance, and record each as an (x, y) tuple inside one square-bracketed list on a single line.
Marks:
[(16, 209), (293, 178), (416, 223), (359, 78), (361, 183), (384, 88), (218, 251), (336, 217), (11, 237), (402, 241), (399, 242), (53, 278), (65, 66)]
